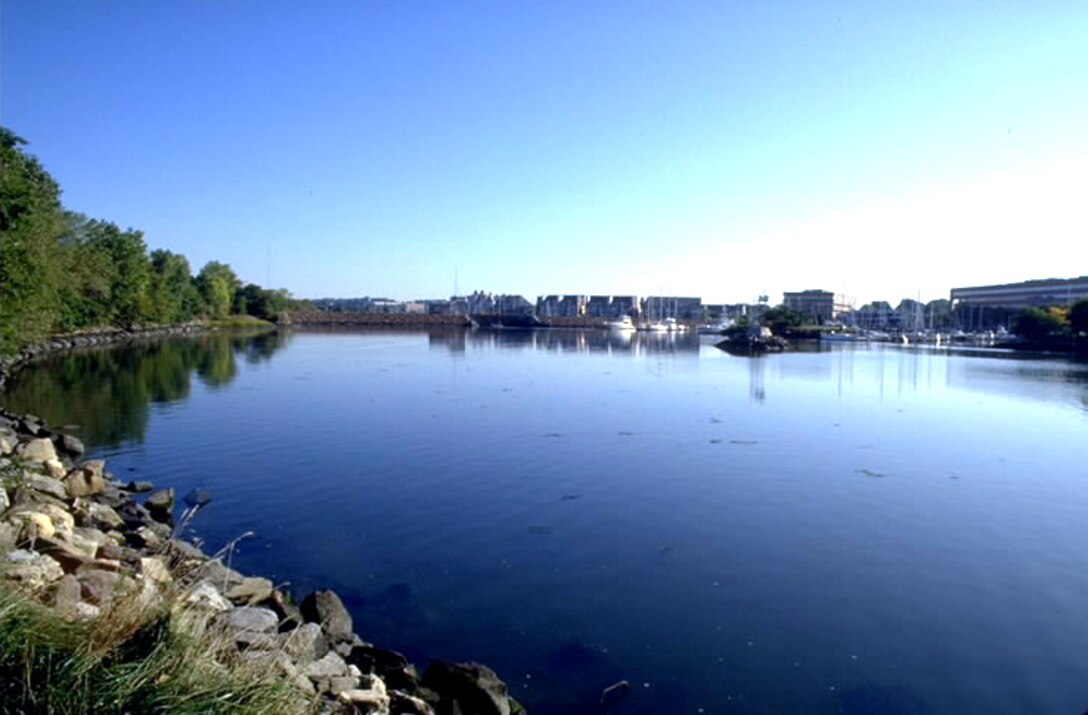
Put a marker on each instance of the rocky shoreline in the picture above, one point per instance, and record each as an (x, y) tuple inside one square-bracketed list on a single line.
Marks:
[(76, 540)]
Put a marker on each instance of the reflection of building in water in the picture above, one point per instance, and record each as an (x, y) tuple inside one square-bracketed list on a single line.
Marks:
[(756, 366), (452, 339), (586, 341)]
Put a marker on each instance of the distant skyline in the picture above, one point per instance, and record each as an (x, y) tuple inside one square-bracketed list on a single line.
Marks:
[(343, 149)]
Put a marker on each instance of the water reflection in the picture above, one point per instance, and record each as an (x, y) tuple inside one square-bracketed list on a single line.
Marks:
[(104, 394), (586, 341)]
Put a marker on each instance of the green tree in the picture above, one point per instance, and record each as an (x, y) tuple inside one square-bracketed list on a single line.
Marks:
[(31, 223), (172, 295), (781, 318), (130, 277), (1078, 317), (1037, 325), (217, 284)]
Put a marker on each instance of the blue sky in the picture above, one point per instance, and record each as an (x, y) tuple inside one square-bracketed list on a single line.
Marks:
[(698, 148)]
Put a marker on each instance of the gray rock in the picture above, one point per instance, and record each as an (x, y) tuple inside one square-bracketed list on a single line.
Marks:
[(161, 503), (139, 487), (474, 687), (206, 597), (4, 501), (331, 666), (135, 515), (340, 683), (72, 445), (47, 485), (37, 450), (98, 587), (326, 608), (250, 618), (250, 590), (222, 576), (374, 700), (404, 704), (8, 442), (249, 640), (68, 596), (198, 498), (31, 569), (9, 535), (98, 516), (305, 644)]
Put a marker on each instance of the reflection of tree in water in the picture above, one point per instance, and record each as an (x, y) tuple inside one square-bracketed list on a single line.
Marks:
[(106, 392)]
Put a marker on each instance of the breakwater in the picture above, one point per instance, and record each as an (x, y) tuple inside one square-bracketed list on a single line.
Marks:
[(78, 541), (321, 318)]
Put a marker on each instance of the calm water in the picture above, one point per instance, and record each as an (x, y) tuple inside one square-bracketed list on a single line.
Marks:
[(860, 531)]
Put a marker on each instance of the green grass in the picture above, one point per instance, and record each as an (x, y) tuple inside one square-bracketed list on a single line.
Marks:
[(239, 321), (128, 660)]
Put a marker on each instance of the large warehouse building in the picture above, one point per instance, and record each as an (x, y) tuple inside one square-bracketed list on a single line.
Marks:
[(1029, 294)]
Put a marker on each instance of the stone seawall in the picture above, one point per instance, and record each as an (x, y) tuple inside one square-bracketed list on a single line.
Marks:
[(77, 540), (374, 319)]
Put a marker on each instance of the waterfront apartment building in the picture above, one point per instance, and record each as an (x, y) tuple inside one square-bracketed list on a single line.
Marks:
[(659, 307), (820, 305), (611, 307), (561, 306), (1029, 294)]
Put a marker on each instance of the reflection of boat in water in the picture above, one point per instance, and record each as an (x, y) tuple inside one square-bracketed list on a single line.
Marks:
[(840, 338), (522, 321), (623, 325)]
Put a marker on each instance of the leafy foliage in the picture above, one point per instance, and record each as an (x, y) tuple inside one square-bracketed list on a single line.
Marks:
[(62, 271)]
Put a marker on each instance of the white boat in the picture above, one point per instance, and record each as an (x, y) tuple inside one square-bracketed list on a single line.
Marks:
[(623, 325)]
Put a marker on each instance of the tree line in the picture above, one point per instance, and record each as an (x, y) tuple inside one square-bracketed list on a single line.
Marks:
[(61, 271)]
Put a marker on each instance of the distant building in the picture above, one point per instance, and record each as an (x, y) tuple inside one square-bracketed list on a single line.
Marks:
[(659, 307), (820, 305), (561, 306), (611, 307), (1029, 294)]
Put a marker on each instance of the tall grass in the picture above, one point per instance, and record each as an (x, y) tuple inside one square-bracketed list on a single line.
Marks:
[(131, 659)]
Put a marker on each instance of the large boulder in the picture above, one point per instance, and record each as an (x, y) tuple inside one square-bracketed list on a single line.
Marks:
[(325, 608), (469, 687), (46, 485), (305, 644), (37, 450)]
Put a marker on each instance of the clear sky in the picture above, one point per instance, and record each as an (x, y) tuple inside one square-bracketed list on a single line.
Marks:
[(720, 149)]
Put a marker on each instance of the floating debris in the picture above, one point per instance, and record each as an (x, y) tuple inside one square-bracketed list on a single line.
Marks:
[(746, 442), (570, 497), (554, 435), (870, 473), (623, 433), (715, 441), (615, 692)]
